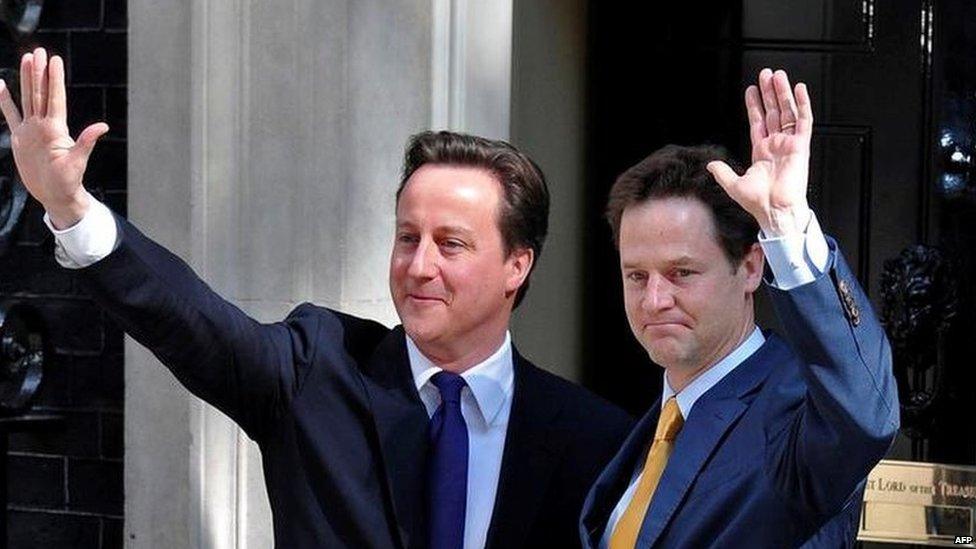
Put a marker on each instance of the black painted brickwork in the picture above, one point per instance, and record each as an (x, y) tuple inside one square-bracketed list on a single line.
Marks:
[(65, 484)]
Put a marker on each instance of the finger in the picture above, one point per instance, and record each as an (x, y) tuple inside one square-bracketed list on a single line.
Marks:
[(26, 81), (754, 111), (8, 107), (804, 120), (56, 100), (787, 105), (723, 174), (39, 84), (769, 101), (86, 141)]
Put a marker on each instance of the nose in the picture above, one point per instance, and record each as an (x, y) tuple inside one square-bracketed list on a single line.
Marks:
[(423, 263), (658, 294)]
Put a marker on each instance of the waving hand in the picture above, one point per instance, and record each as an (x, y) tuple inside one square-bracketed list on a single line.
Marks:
[(51, 164), (774, 188)]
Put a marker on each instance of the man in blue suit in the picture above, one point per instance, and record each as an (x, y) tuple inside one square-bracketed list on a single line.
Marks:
[(435, 434), (757, 441)]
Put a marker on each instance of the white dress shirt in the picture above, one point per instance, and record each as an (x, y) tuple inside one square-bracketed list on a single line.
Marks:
[(795, 260), (86, 241), (486, 403)]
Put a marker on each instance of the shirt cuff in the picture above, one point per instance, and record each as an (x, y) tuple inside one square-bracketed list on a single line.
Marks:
[(799, 258), (88, 240)]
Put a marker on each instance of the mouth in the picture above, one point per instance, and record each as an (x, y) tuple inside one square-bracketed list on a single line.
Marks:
[(424, 299), (665, 325)]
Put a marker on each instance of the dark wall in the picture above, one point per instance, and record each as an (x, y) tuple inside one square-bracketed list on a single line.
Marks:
[(65, 483)]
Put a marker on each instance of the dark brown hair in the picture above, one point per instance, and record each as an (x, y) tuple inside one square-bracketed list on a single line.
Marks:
[(676, 171), (524, 215)]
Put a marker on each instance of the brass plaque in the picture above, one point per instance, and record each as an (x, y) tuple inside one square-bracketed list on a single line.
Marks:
[(922, 503)]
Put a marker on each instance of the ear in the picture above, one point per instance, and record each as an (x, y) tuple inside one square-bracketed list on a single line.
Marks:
[(518, 265), (752, 266)]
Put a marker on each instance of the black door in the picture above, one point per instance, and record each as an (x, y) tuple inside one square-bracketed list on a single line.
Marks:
[(892, 83)]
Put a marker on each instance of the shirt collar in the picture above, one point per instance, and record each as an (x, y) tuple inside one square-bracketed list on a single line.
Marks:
[(707, 379), (489, 381)]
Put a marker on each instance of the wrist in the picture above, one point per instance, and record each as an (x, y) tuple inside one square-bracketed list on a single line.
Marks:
[(778, 222), (68, 213)]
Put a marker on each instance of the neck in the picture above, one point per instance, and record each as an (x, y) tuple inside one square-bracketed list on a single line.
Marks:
[(681, 377), (460, 358)]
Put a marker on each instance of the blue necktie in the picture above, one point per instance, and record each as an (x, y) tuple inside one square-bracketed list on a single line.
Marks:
[(447, 468)]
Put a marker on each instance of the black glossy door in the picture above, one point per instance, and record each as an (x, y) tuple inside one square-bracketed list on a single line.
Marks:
[(888, 79), (676, 74)]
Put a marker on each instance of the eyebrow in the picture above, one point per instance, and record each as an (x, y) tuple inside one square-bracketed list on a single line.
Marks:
[(678, 261), (682, 260), (449, 229), (455, 229)]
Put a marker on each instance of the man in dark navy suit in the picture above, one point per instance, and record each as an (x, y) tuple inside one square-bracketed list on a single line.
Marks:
[(757, 441), (436, 433)]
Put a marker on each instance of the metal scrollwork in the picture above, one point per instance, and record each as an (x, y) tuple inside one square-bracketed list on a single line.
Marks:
[(21, 356), (958, 169), (21, 16), (13, 198), (13, 195), (919, 303)]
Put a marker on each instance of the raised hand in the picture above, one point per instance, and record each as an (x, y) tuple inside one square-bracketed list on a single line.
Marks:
[(774, 188), (51, 164)]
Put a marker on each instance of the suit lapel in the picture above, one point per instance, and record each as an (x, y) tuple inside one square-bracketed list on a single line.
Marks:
[(616, 476), (401, 426), (712, 415), (690, 452), (527, 460)]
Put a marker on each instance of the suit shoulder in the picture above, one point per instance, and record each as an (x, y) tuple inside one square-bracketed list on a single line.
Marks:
[(359, 336), (582, 406)]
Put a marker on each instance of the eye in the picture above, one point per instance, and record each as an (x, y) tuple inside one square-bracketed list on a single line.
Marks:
[(453, 245), (407, 238), (637, 277), (682, 273)]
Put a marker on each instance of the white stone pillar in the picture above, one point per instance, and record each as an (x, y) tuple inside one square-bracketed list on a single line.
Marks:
[(264, 148), (471, 66), (548, 106)]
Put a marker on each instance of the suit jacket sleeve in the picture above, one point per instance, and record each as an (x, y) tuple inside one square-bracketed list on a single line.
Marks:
[(817, 455), (244, 368)]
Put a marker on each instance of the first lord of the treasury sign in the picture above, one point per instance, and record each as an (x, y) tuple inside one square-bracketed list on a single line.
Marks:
[(924, 503)]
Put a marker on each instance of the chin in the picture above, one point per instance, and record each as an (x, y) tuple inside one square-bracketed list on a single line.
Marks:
[(667, 354), (421, 331)]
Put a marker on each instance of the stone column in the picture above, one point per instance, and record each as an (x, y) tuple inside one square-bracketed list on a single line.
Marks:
[(265, 141)]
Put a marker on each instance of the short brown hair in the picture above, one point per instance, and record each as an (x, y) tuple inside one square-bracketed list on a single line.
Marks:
[(524, 217), (677, 171)]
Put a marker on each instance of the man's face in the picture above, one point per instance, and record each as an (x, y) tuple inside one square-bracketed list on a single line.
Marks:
[(451, 281), (685, 303)]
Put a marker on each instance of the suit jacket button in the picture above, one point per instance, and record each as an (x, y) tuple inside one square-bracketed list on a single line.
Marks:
[(850, 305), (845, 290)]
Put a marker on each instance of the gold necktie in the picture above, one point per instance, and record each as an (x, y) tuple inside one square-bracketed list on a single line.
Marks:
[(625, 534)]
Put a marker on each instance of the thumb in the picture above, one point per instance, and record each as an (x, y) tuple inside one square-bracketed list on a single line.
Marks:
[(723, 174), (89, 136)]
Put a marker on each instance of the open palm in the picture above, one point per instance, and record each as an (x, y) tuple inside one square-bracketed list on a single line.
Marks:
[(774, 187), (50, 162)]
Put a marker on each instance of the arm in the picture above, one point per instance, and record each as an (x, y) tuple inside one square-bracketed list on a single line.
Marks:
[(242, 367), (849, 413), (246, 369)]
